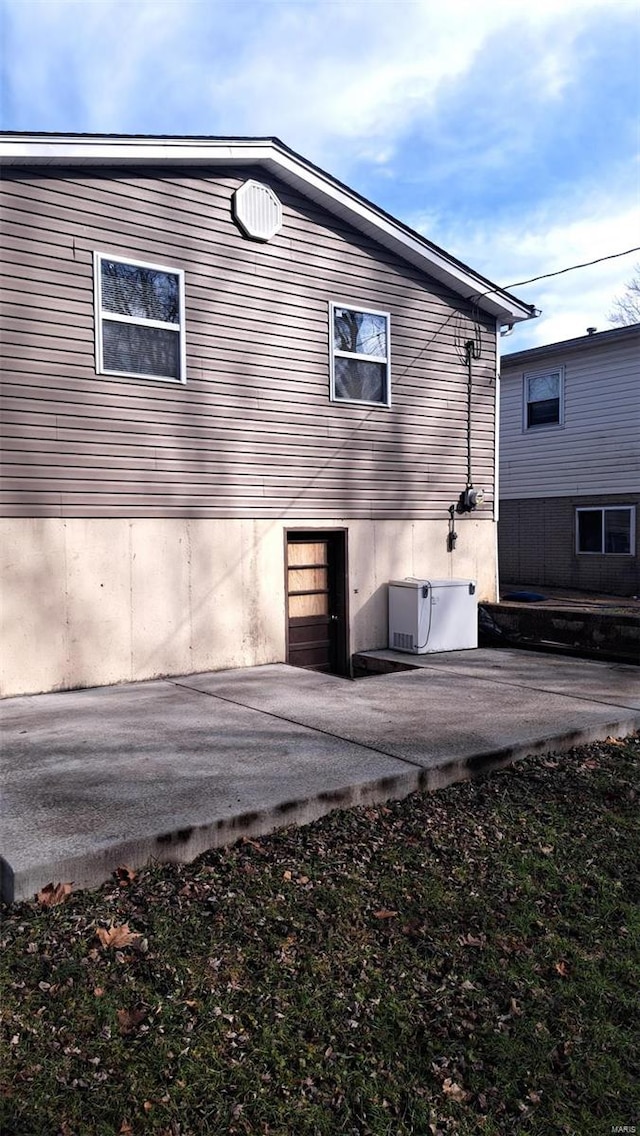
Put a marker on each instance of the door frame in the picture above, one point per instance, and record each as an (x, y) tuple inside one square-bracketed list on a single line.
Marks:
[(339, 538)]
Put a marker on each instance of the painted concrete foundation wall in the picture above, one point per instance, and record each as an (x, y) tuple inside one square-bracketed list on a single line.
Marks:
[(89, 602)]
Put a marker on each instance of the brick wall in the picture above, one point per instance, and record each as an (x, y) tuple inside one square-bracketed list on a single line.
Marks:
[(537, 545)]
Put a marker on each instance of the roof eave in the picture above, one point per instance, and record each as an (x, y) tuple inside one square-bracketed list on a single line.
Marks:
[(566, 346), (296, 171)]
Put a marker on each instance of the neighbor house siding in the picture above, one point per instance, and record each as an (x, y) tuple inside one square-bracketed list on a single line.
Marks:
[(253, 433), (597, 449)]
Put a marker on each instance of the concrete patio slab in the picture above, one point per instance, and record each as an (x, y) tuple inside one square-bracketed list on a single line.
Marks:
[(613, 683), (442, 714), (167, 769)]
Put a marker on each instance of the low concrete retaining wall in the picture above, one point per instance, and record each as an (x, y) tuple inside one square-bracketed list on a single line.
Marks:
[(598, 634)]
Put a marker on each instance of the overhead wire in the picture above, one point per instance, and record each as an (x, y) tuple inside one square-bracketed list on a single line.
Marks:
[(572, 268), (473, 299), (459, 311)]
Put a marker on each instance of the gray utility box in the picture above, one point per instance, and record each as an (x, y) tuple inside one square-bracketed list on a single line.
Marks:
[(432, 615)]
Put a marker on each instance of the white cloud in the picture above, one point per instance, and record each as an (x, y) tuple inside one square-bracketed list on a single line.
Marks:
[(349, 74), (560, 235), (341, 74), (346, 83)]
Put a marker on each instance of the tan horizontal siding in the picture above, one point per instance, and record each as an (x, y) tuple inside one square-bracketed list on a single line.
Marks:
[(198, 417), (253, 432)]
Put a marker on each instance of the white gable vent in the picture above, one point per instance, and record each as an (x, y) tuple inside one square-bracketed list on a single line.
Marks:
[(257, 210)]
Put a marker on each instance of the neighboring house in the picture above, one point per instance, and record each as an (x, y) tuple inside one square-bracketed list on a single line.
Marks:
[(570, 463), (239, 398)]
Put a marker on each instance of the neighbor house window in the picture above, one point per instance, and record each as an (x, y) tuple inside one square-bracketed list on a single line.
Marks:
[(608, 531), (543, 399), (359, 355), (139, 319)]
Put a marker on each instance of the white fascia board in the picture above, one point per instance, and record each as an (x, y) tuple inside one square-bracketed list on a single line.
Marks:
[(96, 151), (351, 208), (292, 169)]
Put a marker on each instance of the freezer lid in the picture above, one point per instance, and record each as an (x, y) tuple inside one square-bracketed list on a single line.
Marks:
[(451, 583), (413, 582)]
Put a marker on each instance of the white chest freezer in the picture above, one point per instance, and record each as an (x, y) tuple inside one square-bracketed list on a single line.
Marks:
[(432, 615)]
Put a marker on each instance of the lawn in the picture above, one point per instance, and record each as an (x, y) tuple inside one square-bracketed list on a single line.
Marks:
[(459, 962)]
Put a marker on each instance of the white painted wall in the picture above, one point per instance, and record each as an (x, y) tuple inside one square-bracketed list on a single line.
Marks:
[(88, 602), (597, 449)]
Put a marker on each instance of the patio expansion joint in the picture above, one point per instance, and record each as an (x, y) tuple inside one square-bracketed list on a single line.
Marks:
[(302, 725), (531, 686)]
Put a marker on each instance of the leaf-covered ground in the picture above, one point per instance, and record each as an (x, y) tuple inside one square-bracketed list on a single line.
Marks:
[(462, 962)]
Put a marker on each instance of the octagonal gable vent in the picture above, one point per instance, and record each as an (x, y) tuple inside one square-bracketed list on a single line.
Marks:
[(257, 211)]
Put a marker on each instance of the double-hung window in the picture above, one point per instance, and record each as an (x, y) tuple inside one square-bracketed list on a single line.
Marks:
[(609, 531), (139, 319), (360, 358), (544, 399)]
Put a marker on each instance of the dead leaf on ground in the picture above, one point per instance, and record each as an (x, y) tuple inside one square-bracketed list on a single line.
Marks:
[(384, 913), (472, 940), (412, 927), (118, 937), (453, 1090), (561, 968), (287, 875), (254, 844), (195, 890), (53, 894), (125, 1129), (129, 1020), (124, 875)]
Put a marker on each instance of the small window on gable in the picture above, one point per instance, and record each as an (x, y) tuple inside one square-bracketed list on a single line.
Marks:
[(609, 531), (139, 319), (360, 355), (544, 399)]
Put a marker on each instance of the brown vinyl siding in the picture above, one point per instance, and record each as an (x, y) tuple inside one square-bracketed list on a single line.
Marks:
[(253, 432)]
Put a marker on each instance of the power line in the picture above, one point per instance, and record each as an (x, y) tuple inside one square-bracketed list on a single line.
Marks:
[(491, 291), (572, 268)]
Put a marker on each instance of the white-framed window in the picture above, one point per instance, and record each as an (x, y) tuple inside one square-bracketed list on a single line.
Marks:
[(139, 319), (360, 354), (543, 399), (606, 531)]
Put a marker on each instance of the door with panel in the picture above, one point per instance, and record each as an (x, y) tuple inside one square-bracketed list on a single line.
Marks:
[(316, 601)]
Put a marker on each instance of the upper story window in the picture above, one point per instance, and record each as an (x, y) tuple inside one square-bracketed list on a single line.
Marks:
[(544, 399), (608, 531), (359, 355), (139, 319)]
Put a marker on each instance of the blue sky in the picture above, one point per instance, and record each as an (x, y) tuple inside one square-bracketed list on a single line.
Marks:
[(507, 132)]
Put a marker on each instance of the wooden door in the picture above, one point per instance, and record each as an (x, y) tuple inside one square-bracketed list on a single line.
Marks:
[(316, 601)]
